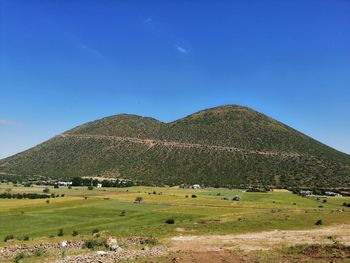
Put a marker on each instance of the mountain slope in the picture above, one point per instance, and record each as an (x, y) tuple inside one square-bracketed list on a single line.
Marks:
[(227, 146)]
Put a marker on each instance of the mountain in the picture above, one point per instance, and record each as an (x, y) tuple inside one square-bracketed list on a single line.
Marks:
[(225, 146)]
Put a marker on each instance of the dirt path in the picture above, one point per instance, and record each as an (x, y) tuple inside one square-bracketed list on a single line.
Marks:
[(261, 240), (150, 143)]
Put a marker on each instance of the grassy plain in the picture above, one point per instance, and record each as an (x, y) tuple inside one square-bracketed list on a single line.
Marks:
[(85, 210)]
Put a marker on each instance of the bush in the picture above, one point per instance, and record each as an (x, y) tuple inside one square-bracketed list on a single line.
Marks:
[(75, 233), (236, 198), (46, 190), (319, 222), (170, 221), (91, 243), (60, 232), (18, 257), (122, 213), (193, 196), (149, 241), (138, 199), (90, 187), (8, 237), (38, 252), (25, 238), (95, 231)]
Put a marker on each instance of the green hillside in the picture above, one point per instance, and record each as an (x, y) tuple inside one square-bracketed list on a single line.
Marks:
[(226, 146)]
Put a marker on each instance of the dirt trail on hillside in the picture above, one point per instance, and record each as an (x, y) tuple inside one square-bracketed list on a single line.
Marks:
[(262, 240), (150, 143)]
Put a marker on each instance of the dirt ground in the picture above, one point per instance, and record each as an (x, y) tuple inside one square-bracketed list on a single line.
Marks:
[(262, 240), (240, 248)]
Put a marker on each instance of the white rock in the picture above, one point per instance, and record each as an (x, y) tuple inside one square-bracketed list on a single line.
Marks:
[(101, 253), (64, 243)]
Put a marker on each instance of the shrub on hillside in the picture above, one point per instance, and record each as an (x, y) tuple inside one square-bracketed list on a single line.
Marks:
[(138, 199), (60, 232), (92, 243), (194, 196), (38, 252), (46, 190), (19, 257), (149, 241), (95, 232), (8, 237), (90, 187), (75, 233), (170, 221), (319, 222), (236, 198)]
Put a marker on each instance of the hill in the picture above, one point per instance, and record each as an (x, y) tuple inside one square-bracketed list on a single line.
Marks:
[(225, 146)]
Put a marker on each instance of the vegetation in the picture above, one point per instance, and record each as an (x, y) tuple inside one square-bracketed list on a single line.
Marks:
[(8, 237), (208, 213), (8, 195), (60, 232), (227, 146), (170, 221), (93, 243)]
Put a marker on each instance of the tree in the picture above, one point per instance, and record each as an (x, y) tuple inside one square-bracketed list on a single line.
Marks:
[(170, 221), (77, 181)]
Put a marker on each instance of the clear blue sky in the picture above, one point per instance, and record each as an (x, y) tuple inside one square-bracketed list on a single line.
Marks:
[(63, 63)]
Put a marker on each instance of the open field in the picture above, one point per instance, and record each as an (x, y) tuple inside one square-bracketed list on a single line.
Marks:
[(206, 215)]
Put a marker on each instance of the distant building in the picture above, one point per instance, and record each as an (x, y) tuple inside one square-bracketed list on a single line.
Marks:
[(99, 185), (333, 194), (306, 192), (196, 186), (65, 183)]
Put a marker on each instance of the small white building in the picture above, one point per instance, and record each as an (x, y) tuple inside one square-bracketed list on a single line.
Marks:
[(99, 185), (196, 186), (306, 192), (65, 183), (333, 194)]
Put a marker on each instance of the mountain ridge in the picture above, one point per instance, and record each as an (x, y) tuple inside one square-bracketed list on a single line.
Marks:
[(227, 145)]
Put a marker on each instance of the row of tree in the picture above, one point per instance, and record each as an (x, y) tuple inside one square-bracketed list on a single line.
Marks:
[(27, 196)]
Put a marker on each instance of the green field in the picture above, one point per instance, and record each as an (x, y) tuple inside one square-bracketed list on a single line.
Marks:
[(206, 214)]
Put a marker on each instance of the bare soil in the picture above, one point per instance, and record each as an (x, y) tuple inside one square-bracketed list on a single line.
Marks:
[(262, 240)]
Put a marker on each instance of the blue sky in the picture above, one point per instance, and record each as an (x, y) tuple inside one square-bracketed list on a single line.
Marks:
[(63, 63)]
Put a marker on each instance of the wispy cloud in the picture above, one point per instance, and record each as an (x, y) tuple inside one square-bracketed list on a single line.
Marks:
[(9, 123), (92, 51), (182, 50), (148, 20)]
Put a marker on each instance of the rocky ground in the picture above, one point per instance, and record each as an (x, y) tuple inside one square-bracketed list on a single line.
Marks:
[(111, 256), (189, 248), (11, 250)]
